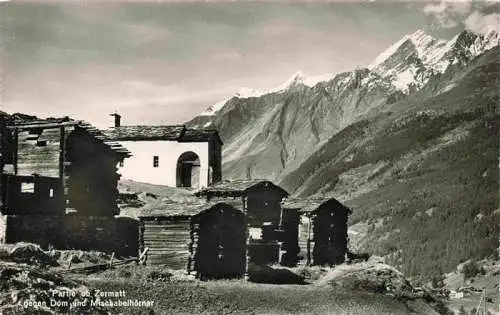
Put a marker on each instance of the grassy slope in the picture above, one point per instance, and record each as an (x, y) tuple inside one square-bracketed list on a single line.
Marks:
[(151, 197), (434, 153), (457, 182), (488, 280)]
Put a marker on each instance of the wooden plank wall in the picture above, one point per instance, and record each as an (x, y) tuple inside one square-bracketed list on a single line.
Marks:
[(219, 243), (290, 246), (90, 175), (263, 206), (168, 241), (3, 228), (34, 159), (47, 196), (330, 235)]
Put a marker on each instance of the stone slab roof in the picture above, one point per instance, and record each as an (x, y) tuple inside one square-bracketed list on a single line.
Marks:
[(311, 204), (238, 187), (184, 209), (66, 122), (161, 132)]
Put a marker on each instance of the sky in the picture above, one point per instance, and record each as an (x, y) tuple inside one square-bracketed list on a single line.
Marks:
[(165, 62)]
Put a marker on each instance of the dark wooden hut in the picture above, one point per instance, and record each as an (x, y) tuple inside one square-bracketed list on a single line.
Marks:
[(261, 201), (322, 231), (290, 237), (58, 186), (167, 238), (50, 165), (219, 242), (204, 239)]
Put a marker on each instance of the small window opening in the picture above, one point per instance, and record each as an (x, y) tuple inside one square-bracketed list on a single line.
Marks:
[(156, 161), (51, 193), (41, 143), (28, 188), (35, 131)]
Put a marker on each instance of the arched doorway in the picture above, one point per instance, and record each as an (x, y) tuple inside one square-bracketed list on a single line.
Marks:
[(188, 170)]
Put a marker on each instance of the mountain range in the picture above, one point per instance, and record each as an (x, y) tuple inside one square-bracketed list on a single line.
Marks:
[(410, 143)]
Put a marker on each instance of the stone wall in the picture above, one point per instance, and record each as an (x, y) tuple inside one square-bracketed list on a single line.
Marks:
[(107, 234)]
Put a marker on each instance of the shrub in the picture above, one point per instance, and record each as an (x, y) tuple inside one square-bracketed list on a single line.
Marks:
[(437, 281), (159, 275), (124, 273), (470, 270)]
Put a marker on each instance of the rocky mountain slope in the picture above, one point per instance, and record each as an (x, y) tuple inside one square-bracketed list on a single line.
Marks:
[(409, 143), (423, 181), (269, 133)]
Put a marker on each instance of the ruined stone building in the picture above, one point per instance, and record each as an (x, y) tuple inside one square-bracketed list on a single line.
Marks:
[(173, 156)]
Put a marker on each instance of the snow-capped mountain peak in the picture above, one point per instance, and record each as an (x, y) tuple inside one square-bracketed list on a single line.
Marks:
[(407, 64), (296, 79), (413, 59), (300, 77), (214, 108), (429, 49), (426, 47), (386, 54), (245, 92)]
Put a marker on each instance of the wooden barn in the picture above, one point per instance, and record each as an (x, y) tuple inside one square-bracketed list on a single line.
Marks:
[(48, 166), (204, 239), (262, 203), (322, 230), (58, 186), (290, 237)]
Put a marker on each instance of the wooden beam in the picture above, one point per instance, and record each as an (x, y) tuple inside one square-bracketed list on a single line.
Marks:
[(309, 241), (45, 126), (3, 144), (142, 257), (111, 260), (62, 153), (16, 132)]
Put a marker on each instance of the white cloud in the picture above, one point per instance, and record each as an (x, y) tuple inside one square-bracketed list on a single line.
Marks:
[(453, 13), (482, 24), (448, 13)]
